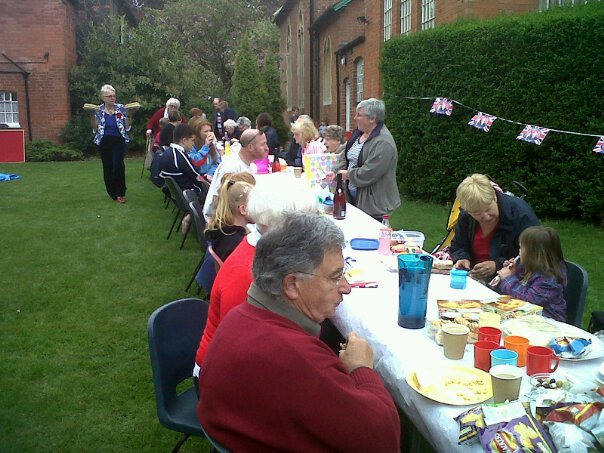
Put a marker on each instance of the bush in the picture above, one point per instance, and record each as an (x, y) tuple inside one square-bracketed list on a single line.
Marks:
[(46, 151), (538, 69)]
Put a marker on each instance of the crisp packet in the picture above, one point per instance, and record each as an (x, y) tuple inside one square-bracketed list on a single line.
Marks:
[(570, 347), (469, 423), (520, 435)]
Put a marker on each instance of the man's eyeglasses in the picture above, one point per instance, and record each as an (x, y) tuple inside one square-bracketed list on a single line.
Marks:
[(252, 139), (335, 280)]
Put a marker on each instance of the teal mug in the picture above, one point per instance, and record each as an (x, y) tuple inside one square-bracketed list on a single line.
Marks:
[(504, 357)]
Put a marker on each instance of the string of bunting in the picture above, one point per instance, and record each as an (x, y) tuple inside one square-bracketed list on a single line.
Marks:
[(483, 121)]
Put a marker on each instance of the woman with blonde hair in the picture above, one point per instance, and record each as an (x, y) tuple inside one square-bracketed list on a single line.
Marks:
[(489, 226), (307, 137), (228, 226)]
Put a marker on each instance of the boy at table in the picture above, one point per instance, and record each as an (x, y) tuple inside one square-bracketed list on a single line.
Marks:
[(268, 382)]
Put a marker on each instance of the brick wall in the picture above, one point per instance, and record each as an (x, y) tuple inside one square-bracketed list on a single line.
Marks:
[(35, 28)]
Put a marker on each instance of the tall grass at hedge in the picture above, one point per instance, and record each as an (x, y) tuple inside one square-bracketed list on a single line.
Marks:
[(541, 69)]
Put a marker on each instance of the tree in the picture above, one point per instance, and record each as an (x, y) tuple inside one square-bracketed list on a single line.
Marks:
[(247, 93), (274, 102)]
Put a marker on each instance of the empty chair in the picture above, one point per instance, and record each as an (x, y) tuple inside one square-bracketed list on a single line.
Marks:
[(575, 293), (174, 331)]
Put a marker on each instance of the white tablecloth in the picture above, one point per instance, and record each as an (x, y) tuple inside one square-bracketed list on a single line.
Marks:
[(372, 313)]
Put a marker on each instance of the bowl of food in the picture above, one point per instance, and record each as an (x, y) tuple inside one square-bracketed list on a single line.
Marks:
[(548, 381)]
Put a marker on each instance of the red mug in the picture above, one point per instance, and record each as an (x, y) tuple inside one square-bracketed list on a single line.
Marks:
[(539, 360), (482, 354), (489, 334)]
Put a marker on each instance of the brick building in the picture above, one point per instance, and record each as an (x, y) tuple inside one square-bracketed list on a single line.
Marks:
[(38, 47), (330, 50)]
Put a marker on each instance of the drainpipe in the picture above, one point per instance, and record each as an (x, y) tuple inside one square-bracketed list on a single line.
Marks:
[(25, 74), (338, 112)]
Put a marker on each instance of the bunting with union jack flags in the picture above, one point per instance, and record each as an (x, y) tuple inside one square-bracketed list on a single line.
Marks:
[(599, 148), (442, 106), (533, 134), (482, 121)]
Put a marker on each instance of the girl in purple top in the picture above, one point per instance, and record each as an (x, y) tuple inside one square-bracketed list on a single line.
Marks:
[(540, 275)]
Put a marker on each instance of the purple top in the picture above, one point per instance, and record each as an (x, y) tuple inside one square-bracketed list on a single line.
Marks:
[(540, 289)]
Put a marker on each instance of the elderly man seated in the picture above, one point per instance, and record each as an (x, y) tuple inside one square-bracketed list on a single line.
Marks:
[(268, 382)]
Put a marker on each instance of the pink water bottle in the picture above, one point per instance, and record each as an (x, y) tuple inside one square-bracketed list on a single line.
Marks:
[(385, 236)]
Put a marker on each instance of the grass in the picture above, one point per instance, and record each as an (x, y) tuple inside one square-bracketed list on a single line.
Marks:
[(80, 275)]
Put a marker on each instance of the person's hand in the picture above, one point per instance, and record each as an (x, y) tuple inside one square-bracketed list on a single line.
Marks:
[(356, 353), (463, 264), (209, 178), (149, 132), (210, 138), (507, 263), (505, 271), (484, 270), (344, 174), (329, 176)]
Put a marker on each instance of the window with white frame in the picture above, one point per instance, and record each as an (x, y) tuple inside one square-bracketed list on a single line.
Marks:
[(9, 108), (405, 17), (428, 14), (547, 4), (288, 67), (300, 78), (327, 63), (360, 70), (387, 19)]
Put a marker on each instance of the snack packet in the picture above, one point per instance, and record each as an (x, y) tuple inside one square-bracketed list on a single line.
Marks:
[(469, 423), (520, 435), (570, 347)]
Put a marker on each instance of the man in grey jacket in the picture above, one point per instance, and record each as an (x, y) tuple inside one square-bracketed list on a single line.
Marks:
[(369, 162)]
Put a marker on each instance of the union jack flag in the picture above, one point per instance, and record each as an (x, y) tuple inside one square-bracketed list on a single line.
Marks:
[(482, 121), (533, 134), (442, 106), (599, 148)]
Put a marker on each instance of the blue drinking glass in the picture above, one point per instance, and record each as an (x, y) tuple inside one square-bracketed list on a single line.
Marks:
[(413, 278)]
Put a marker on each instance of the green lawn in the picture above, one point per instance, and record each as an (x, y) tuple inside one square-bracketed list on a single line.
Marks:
[(80, 275)]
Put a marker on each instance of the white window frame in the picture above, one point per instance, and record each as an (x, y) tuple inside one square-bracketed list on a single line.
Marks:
[(300, 68), (405, 17), (9, 109), (327, 63), (360, 74), (548, 4), (428, 14), (387, 19)]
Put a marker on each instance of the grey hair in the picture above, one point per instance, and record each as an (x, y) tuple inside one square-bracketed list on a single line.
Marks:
[(298, 243), (173, 101), (244, 121), (106, 89), (374, 108), (334, 131), (230, 123)]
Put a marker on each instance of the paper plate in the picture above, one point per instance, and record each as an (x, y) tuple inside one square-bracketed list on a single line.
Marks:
[(364, 244), (454, 385)]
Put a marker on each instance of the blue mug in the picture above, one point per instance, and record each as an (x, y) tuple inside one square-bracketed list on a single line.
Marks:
[(458, 278), (504, 357)]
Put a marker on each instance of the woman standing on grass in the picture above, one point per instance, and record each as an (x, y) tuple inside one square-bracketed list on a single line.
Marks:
[(111, 124)]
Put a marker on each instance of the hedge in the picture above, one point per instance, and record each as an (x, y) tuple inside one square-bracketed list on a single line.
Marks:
[(543, 69)]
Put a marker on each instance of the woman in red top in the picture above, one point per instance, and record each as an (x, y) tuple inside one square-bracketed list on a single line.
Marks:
[(488, 228)]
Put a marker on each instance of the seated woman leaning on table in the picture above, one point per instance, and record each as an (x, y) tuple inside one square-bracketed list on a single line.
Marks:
[(369, 162), (489, 226)]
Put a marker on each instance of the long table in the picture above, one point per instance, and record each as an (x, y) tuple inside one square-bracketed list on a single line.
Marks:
[(372, 313)]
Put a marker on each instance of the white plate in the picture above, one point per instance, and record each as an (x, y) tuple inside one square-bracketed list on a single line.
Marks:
[(596, 350)]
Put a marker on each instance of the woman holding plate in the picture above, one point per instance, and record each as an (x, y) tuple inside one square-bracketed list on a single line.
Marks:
[(111, 124)]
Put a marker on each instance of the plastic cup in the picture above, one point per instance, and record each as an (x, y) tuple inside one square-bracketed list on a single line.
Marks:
[(489, 334), (539, 360), (458, 278), (518, 344), (506, 380), (482, 354), (504, 357), (298, 172), (455, 338)]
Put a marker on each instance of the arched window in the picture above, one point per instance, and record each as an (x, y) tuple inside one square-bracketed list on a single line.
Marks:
[(300, 78), (360, 73), (288, 67), (327, 63)]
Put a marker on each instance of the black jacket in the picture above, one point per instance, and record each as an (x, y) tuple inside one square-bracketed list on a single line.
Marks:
[(515, 215)]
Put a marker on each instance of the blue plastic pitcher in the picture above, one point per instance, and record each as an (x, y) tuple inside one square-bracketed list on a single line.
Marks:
[(413, 278)]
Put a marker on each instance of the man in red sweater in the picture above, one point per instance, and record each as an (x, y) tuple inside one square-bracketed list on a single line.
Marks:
[(268, 383)]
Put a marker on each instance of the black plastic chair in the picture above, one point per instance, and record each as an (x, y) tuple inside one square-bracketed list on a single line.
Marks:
[(199, 224), (179, 201), (174, 332), (575, 293)]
